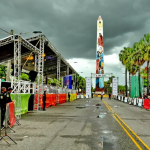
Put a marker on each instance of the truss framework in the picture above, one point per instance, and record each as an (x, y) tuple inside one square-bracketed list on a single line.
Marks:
[(40, 73), (39, 59)]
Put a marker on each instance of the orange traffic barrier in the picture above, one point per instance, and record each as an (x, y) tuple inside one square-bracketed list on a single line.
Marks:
[(51, 99)]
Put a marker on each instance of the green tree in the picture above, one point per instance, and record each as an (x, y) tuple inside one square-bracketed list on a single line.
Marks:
[(146, 51), (3, 70), (138, 58), (81, 83), (24, 76)]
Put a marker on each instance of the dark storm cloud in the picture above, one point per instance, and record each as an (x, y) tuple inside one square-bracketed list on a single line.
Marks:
[(71, 24)]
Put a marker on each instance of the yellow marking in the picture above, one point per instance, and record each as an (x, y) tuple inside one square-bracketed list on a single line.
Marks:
[(106, 105), (128, 134), (133, 132), (109, 107)]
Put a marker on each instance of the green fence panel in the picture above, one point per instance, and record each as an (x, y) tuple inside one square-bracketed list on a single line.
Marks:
[(132, 86), (24, 102), (135, 86)]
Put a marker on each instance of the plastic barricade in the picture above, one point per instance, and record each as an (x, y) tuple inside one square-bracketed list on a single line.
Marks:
[(130, 101), (36, 101), (140, 102), (146, 104), (48, 100), (135, 102), (126, 100)]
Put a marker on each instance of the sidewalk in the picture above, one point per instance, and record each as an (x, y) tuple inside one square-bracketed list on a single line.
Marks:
[(136, 118)]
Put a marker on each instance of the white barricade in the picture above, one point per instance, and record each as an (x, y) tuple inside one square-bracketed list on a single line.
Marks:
[(122, 98), (140, 102), (82, 96), (126, 100), (78, 96), (130, 101), (135, 102)]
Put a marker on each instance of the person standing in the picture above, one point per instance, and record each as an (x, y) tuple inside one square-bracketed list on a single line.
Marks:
[(8, 97), (44, 100), (68, 96), (3, 105)]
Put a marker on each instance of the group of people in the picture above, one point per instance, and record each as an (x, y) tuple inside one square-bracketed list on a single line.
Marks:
[(4, 100)]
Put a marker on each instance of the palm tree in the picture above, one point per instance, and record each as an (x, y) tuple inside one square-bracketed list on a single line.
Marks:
[(146, 43), (123, 56), (138, 58), (128, 65)]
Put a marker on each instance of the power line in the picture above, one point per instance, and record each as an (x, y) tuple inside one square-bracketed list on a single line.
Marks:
[(5, 31)]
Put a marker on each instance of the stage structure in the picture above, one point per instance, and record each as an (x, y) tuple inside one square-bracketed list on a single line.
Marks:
[(19, 43), (15, 48), (99, 56)]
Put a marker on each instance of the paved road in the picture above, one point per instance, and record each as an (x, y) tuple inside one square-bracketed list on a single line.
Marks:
[(74, 126)]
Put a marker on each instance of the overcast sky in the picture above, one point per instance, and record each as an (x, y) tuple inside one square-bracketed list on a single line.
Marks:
[(71, 27)]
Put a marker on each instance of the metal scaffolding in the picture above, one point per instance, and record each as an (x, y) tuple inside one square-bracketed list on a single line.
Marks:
[(17, 73), (40, 72), (67, 70), (58, 78)]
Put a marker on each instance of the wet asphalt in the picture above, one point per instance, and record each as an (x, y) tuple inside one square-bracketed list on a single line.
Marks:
[(77, 125)]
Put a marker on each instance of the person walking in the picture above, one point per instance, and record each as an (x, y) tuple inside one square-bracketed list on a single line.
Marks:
[(101, 96), (44, 100), (109, 96)]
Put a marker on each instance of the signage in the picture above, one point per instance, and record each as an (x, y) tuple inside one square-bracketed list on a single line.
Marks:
[(88, 87), (115, 86)]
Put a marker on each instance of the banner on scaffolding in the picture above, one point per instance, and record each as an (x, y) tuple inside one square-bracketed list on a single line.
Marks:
[(106, 75), (115, 86), (67, 82), (88, 87)]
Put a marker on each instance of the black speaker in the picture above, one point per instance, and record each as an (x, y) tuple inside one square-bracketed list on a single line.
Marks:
[(32, 75), (71, 82), (12, 67)]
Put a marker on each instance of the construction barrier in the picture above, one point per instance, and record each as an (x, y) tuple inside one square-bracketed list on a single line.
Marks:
[(140, 102), (62, 98), (73, 97), (146, 104)]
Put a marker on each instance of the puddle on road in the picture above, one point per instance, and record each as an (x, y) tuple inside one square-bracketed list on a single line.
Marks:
[(98, 105), (106, 131), (88, 101), (80, 107), (25, 136), (103, 113), (101, 116)]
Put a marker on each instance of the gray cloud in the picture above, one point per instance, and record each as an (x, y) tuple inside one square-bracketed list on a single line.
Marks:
[(71, 24)]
